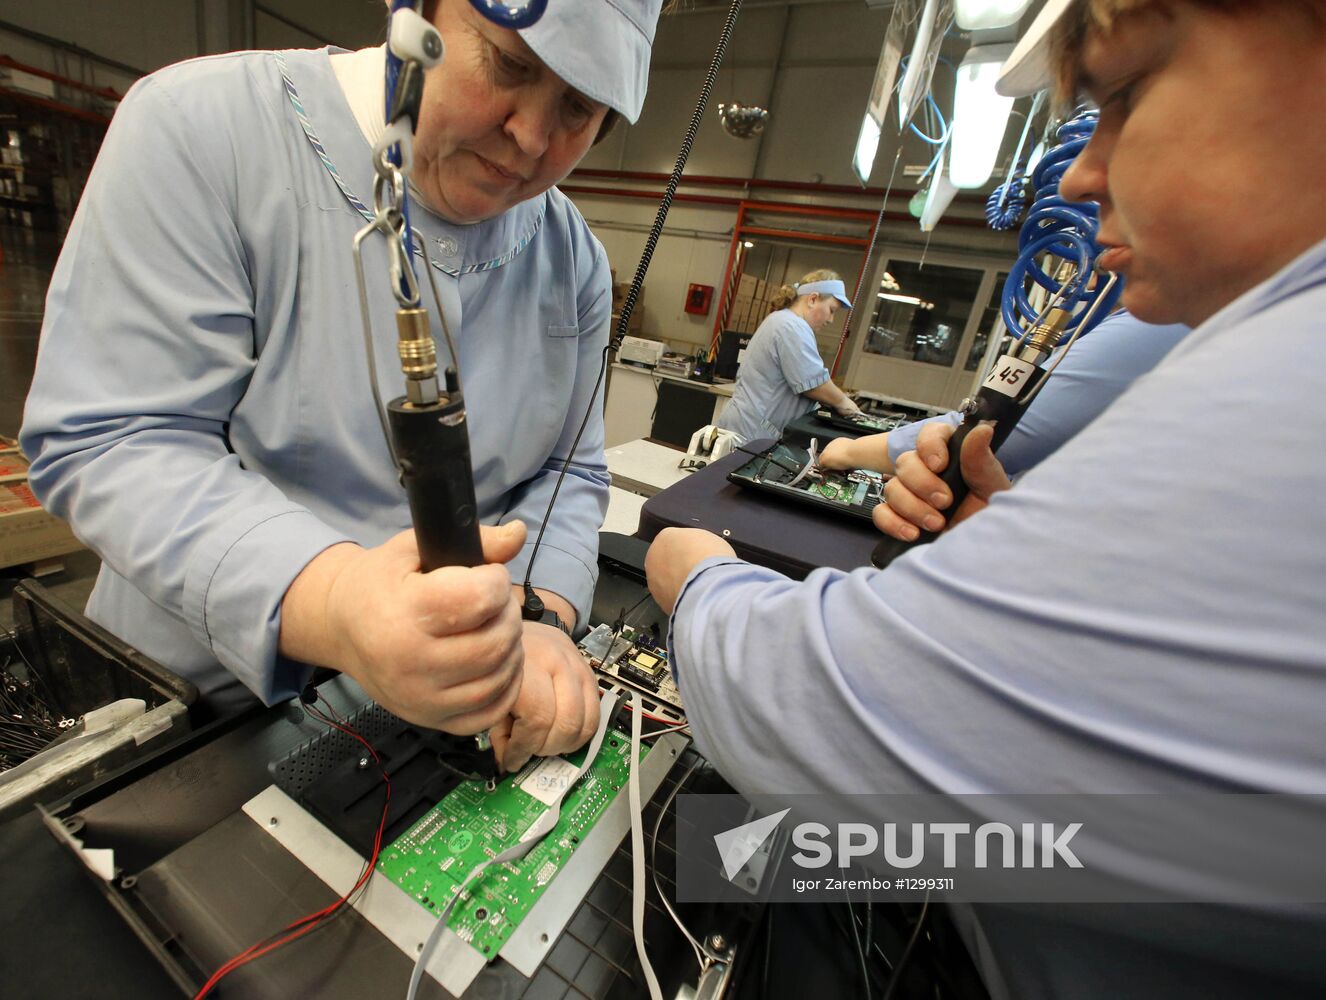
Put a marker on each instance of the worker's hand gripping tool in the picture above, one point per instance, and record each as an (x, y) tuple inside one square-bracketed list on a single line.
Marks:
[(1004, 395), (425, 428)]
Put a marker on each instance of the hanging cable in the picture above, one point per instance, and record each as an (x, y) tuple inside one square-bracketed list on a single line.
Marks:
[(637, 282), (1006, 202)]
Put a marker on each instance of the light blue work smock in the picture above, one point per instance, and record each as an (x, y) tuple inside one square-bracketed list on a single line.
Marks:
[(782, 361), (201, 411), (1091, 376), (1142, 613)]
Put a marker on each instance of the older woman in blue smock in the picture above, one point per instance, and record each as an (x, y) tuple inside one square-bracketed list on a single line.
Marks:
[(201, 411)]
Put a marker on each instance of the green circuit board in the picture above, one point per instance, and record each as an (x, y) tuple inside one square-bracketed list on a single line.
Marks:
[(431, 859), (843, 490)]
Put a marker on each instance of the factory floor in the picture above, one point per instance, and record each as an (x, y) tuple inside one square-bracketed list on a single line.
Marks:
[(27, 258)]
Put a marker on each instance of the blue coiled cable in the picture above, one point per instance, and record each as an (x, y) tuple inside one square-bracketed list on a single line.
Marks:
[(1067, 230), (1005, 205)]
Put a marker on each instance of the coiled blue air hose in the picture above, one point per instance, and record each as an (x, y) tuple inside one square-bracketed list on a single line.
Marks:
[(1067, 230), (1006, 204)]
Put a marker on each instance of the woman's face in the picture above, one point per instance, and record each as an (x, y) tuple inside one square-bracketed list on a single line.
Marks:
[(496, 126), (1194, 210), (820, 310)]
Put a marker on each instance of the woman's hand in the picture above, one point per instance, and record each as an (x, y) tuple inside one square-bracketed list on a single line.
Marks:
[(916, 495), (675, 552), (440, 649), (558, 707)]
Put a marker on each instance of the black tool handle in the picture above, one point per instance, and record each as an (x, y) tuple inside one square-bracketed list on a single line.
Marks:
[(988, 406), (433, 448)]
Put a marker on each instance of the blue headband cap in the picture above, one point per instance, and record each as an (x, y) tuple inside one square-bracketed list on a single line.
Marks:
[(833, 287), (600, 47)]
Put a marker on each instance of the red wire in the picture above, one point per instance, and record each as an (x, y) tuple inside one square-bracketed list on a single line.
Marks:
[(312, 921), (656, 718)]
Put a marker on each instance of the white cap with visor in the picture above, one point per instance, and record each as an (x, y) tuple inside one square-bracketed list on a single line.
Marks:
[(599, 47), (828, 287)]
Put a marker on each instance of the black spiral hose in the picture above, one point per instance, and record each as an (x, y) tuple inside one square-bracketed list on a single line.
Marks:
[(656, 231), (638, 281)]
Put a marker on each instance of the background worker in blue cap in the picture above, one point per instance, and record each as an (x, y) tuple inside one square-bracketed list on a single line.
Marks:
[(782, 375), (201, 411), (1142, 614)]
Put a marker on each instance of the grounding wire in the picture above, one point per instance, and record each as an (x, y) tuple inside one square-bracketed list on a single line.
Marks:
[(637, 282)]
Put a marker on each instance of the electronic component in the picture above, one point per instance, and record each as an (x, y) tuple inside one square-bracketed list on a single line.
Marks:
[(635, 659), (471, 824), (787, 471), (645, 669), (433, 845)]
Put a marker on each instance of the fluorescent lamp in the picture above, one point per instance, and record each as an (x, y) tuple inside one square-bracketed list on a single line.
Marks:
[(981, 15), (867, 145), (747, 244), (910, 300), (980, 116)]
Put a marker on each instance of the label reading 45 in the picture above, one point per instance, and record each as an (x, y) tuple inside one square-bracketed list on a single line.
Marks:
[(1009, 376)]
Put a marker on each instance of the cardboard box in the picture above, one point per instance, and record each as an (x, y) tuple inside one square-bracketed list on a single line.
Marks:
[(28, 533), (13, 466), (750, 286)]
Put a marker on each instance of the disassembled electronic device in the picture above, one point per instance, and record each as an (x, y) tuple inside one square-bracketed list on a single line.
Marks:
[(867, 423), (444, 819), (790, 472), (431, 860)]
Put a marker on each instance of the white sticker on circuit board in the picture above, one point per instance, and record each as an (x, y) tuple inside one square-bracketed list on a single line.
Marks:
[(1009, 376), (549, 779)]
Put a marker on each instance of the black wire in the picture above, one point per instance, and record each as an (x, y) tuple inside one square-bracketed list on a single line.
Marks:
[(633, 293), (768, 949), (856, 940), (878, 951), (870, 932), (656, 231), (873, 966), (898, 969)]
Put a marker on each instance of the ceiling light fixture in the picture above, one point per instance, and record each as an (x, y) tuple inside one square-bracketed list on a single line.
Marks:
[(980, 116), (742, 120)]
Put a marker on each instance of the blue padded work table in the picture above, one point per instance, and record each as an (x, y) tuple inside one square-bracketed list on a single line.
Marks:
[(783, 535)]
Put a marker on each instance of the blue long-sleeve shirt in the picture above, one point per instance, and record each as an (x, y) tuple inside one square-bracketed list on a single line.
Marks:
[(782, 361), (1143, 613), (201, 410), (1091, 376)]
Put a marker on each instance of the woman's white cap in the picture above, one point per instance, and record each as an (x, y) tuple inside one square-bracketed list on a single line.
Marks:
[(829, 286), (1028, 69), (600, 47)]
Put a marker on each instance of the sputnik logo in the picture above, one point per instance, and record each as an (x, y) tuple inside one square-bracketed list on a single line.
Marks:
[(738, 845)]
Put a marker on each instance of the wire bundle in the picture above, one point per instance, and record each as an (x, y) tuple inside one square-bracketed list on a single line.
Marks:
[(28, 720), (1062, 231)]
